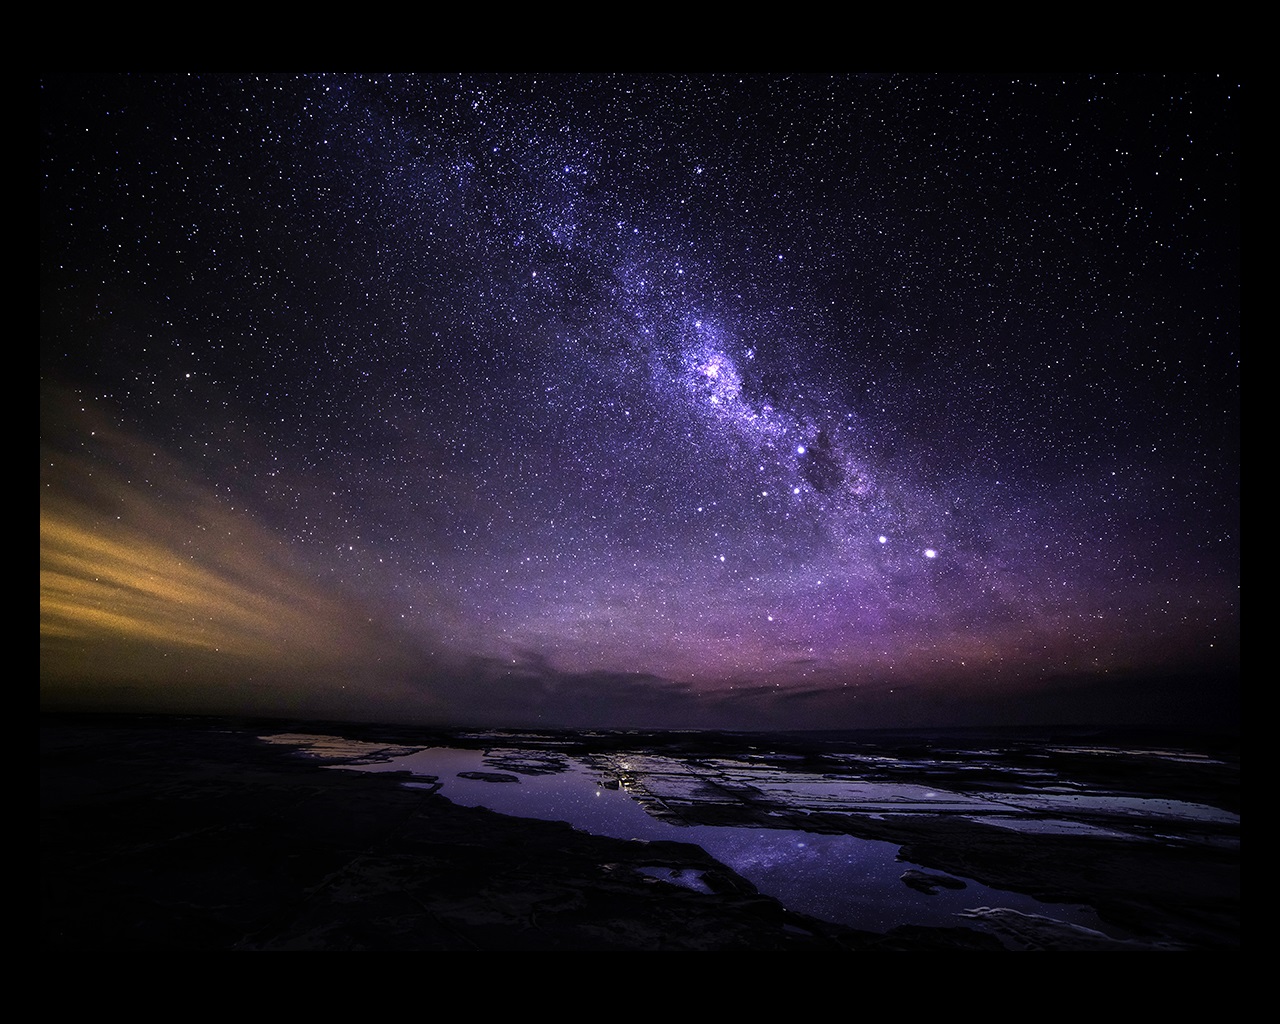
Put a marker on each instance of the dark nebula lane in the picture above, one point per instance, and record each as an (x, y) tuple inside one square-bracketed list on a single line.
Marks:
[(729, 401)]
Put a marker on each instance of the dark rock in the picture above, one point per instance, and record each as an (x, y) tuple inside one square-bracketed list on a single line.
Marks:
[(190, 833), (193, 836), (929, 883)]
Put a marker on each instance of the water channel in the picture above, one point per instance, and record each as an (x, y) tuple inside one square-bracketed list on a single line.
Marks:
[(857, 882)]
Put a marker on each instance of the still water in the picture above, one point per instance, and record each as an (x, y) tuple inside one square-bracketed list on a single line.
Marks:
[(857, 882)]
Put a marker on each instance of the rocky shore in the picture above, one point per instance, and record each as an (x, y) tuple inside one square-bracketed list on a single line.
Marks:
[(193, 834)]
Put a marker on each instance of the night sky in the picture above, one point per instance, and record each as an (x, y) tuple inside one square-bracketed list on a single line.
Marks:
[(742, 401)]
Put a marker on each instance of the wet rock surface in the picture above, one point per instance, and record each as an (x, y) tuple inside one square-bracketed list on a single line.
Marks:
[(488, 776), (194, 834), (928, 882)]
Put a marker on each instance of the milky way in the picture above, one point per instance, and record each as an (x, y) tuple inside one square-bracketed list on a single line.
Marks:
[(692, 400)]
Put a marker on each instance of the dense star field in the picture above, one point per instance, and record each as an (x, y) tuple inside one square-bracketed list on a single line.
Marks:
[(631, 400)]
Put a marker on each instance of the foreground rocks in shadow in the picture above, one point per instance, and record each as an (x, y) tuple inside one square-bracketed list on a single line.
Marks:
[(160, 835), (167, 833)]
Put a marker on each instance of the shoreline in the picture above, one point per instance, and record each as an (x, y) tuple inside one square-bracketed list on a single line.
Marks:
[(192, 833)]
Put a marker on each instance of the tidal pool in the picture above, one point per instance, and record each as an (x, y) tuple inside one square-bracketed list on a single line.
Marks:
[(857, 882)]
